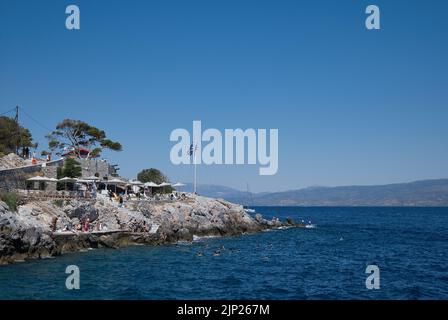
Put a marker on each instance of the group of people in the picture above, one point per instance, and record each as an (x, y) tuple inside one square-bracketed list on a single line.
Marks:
[(117, 197), (83, 226), (26, 154)]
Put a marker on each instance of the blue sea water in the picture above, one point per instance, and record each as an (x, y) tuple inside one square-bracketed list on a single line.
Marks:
[(409, 245)]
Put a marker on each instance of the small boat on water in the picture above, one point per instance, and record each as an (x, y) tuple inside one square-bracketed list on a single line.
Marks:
[(305, 225), (251, 201)]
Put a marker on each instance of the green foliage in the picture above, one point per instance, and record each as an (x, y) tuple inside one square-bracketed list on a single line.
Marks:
[(156, 176), (71, 169), (151, 175), (11, 199), (58, 202), (75, 134), (12, 136)]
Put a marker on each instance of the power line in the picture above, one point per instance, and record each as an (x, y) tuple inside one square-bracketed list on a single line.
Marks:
[(12, 110), (36, 121)]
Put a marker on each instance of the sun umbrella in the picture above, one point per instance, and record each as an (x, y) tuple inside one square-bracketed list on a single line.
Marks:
[(164, 184), (151, 184), (67, 179), (178, 184), (38, 178), (83, 181), (42, 179), (135, 185), (92, 178), (116, 182)]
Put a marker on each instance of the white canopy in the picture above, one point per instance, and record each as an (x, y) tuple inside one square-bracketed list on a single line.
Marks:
[(92, 178), (68, 179), (151, 185), (179, 184), (84, 181), (164, 184), (43, 179), (115, 181), (136, 183)]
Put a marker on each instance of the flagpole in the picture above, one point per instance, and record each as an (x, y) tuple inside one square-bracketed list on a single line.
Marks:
[(195, 170)]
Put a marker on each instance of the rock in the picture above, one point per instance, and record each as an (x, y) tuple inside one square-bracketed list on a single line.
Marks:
[(27, 233), (3, 207), (184, 234), (83, 212), (12, 161)]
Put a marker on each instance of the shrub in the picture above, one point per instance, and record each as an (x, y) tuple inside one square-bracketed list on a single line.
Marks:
[(156, 176), (58, 202), (11, 199)]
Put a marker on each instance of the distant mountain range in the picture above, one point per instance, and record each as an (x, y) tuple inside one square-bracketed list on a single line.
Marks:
[(418, 193)]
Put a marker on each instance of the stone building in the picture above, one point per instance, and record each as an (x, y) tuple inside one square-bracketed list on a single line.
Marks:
[(97, 167), (16, 177)]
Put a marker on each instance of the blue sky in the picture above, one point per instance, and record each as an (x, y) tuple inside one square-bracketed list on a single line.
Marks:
[(352, 106)]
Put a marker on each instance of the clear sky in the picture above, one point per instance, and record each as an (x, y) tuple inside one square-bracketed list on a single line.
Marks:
[(352, 106)]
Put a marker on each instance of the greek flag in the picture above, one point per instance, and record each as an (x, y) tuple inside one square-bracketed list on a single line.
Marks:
[(193, 149)]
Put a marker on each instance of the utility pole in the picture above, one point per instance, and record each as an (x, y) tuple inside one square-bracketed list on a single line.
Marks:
[(16, 119)]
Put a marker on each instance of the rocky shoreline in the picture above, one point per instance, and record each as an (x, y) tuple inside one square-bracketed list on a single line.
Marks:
[(27, 233)]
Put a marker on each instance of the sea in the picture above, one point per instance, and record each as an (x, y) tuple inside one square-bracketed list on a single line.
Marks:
[(407, 246)]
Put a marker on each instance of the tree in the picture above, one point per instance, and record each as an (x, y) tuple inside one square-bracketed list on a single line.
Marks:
[(13, 136), (76, 134), (154, 175), (71, 169)]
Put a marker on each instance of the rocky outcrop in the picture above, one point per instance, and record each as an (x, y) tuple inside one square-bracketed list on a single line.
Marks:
[(20, 240), (28, 232), (12, 161)]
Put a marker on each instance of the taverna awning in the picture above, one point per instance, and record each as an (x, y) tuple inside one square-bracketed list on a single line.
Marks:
[(179, 184), (95, 178), (42, 179), (164, 184), (151, 184), (68, 179), (116, 181)]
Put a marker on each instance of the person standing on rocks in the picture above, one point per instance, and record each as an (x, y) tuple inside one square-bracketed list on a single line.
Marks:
[(86, 225), (54, 222)]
